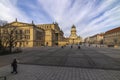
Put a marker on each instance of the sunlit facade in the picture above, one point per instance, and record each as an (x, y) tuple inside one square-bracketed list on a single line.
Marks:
[(53, 34), (73, 38), (112, 37), (26, 35), (31, 35), (96, 39)]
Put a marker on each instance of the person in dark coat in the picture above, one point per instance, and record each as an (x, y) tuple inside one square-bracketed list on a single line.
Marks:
[(14, 66), (79, 47), (62, 46)]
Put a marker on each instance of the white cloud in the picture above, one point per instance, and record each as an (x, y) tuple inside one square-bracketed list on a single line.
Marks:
[(10, 11), (81, 12), (89, 16)]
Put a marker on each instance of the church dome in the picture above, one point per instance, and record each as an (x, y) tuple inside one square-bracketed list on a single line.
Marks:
[(73, 26)]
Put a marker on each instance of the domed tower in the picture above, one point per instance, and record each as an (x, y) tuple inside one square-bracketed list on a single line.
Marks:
[(73, 32), (74, 39)]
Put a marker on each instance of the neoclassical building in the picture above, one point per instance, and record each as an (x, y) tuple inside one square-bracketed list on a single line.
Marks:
[(73, 38), (53, 34), (23, 34), (31, 35)]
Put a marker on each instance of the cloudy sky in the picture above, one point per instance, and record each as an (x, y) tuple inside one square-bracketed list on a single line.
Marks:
[(89, 16)]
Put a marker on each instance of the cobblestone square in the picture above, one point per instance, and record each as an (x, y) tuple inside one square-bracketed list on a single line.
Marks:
[(55, 63)]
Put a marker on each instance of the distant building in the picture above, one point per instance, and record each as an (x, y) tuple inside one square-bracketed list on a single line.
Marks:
[(87, 40), (73, 38), (96, 39), (112, 37)]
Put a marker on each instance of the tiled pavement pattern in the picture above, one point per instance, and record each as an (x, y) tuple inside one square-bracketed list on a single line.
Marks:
[(86, 57), (36, 72)]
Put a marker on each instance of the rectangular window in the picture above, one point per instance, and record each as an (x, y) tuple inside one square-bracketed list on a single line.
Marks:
[(26, 43), (21, 37), (21, 31), (27, 31), (27, 36)]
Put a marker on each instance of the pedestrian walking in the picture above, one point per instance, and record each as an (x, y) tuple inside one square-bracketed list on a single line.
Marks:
[(62, 46), (79, 47), (14, 66)]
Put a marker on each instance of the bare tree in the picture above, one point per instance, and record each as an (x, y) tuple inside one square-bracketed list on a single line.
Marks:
[(8, 37), (0, 39)]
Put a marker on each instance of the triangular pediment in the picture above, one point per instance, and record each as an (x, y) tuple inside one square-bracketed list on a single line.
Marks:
[(19, 24)]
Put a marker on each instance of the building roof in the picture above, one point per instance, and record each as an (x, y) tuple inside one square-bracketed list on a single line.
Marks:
[(20, 24), (101, 34), (93, 36), (113, 30)]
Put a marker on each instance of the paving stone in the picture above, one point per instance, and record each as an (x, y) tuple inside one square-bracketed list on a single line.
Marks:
[(36, 72)]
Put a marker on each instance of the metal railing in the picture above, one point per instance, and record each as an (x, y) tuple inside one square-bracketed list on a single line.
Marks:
[(3, 78)]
